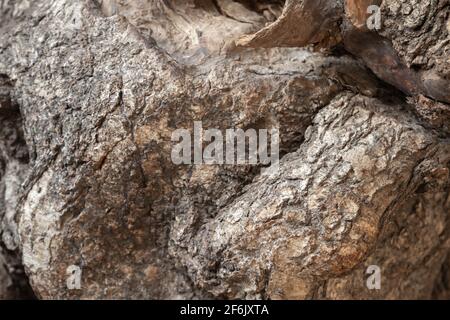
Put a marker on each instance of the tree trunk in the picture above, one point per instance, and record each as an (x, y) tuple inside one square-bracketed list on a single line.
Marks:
[(92, 204)]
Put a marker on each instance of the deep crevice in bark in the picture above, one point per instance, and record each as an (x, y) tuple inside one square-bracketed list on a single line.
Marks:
[(14, 161)]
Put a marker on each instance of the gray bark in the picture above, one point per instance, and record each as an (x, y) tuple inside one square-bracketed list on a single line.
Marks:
[(91, 91)]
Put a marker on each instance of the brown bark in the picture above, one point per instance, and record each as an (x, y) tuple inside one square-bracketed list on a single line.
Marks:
[(91, 91)]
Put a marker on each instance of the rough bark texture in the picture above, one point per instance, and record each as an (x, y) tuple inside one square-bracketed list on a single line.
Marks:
[(91, 91)]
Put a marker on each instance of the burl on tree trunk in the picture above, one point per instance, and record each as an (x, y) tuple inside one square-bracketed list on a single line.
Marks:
[(92, 206)]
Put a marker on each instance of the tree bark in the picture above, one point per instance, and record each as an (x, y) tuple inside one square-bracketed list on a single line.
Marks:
[(92, 90)]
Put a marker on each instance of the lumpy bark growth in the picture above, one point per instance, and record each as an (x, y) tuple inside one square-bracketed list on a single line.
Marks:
[(91, 91)]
